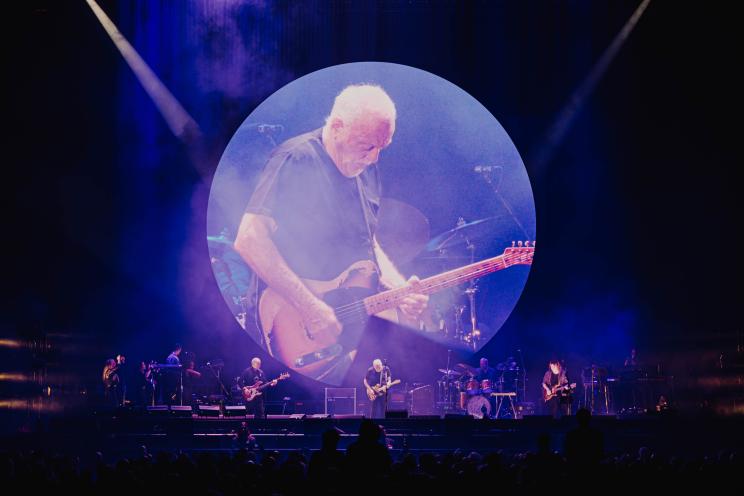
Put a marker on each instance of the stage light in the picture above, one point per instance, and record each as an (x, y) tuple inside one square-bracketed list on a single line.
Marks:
[(179, 121), (560, 127), (10, 343), (14, 377)]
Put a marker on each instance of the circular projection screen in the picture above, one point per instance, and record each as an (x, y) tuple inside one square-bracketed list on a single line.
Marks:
[(298, 235)]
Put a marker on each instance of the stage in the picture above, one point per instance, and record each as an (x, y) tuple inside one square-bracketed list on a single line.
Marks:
[(125, 433)]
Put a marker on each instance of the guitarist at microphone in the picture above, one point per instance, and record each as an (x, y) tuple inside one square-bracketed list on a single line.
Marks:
[(249, 377), (556, 390), (377, 382)]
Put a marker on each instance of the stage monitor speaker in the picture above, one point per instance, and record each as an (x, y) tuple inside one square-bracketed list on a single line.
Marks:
[(396, 414), (349, 416), (458, 416), (181, 410), (234, 410), (209, 410), (159, 410)]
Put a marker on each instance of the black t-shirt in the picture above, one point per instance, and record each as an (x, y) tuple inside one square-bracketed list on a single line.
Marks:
[(550, 379), (374, 377), (489, 373), (250, 376), (321, 227)]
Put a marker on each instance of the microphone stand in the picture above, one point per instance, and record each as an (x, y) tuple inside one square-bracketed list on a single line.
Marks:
[(488, 177), (524, 376), (224, 390)]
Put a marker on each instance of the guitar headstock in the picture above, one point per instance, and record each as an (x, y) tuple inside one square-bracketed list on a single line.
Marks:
[(282, 376), (519, 253)]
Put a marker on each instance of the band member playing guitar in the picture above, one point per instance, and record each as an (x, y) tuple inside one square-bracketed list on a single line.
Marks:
[(111, 382), (250, 393), (556, 390), (252, 378), (377, 382)]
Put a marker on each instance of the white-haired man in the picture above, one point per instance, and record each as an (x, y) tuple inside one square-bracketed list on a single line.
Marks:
[(377, 376), (313, 215), (251, 376)]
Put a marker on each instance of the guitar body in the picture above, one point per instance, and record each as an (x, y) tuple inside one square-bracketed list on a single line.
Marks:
[(354, 297), (285, 332), (250, 393), (253, 391), (559, 391), (379, 390)]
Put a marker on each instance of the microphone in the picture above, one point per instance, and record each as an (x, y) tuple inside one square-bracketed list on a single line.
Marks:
[(493, 174), (266, 128), (487, 168)]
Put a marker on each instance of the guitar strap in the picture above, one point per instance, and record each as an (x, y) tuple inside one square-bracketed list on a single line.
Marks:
[(366, 205)]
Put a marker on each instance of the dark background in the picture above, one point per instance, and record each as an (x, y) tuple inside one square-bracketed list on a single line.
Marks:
[(104, 209)]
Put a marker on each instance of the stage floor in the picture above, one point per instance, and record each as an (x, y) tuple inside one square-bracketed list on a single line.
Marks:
[(125, 434)]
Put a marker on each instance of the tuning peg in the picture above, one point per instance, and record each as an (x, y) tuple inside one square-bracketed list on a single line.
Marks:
[(513, 243)]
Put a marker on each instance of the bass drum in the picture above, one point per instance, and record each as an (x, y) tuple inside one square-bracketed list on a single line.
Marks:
[(472, 387), (476, 406)]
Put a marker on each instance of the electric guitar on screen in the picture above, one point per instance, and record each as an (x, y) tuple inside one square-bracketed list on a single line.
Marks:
[(353, 296)]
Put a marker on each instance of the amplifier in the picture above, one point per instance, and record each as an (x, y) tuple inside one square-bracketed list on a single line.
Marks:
[(340, 401), (422, 400)]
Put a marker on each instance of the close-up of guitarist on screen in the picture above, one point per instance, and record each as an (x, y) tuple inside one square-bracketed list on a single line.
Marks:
[(309, 229)]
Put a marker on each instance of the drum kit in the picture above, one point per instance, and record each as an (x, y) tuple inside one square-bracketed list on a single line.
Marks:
[(456, 247), (458, 390)]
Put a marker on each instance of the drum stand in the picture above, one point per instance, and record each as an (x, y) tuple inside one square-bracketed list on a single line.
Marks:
[(500, 403), (448, 400), (597, 386), (473, 337)]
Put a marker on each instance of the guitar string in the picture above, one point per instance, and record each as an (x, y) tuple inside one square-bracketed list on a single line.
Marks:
[(350, 309), (486, 268)]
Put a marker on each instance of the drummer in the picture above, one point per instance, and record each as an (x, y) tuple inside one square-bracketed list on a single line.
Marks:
[(484, 372)]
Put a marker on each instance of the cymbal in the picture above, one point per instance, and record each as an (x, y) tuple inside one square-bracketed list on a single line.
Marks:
[(449, 372), (508, 364), (465, 367), (220, 241), (402, 230), (473, 230)]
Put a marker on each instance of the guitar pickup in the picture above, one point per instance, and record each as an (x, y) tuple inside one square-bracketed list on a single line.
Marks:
[(316, 356)]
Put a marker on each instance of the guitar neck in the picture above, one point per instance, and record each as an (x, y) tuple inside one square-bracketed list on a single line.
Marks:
[(393, 297), (268, 383)]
